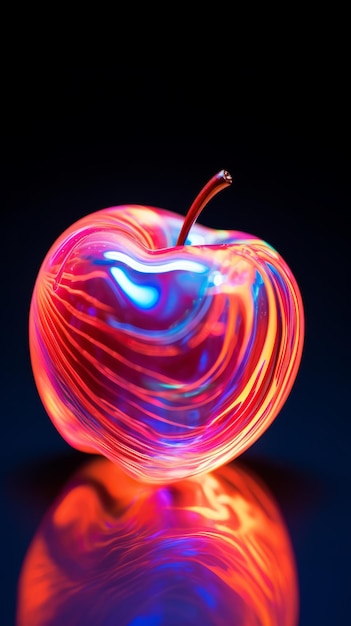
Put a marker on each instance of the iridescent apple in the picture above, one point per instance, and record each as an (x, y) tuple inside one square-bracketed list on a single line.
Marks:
[(166, 346)]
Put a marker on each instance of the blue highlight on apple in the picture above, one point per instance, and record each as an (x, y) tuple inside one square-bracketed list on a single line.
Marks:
[(145, 296)]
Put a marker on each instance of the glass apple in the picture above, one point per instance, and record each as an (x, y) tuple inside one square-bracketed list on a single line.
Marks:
[(166, 346)]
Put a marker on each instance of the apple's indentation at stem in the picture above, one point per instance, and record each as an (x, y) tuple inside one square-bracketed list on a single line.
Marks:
[(215, 184)]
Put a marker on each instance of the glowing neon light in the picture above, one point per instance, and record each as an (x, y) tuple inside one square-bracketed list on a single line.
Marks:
[(144, 295), (172, 266)]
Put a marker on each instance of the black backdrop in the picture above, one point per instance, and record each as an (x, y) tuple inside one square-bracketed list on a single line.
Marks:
[(85, 133)]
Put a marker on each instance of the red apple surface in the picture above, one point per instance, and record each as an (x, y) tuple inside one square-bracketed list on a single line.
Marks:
[(170, 359)]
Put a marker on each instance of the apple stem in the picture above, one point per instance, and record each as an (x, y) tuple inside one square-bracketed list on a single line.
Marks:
[(215, 184)]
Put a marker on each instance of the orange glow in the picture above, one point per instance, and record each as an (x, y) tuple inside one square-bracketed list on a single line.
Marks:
[(211, 549)]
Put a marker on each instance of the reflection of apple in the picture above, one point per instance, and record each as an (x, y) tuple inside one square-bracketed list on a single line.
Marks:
[(209, 550), (168, 353)]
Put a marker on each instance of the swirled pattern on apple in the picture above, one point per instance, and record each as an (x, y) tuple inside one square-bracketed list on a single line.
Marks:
[(212, 549), (168, 360)]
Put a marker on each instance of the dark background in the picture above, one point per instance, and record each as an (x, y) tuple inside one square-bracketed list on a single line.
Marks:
[(86, 131)]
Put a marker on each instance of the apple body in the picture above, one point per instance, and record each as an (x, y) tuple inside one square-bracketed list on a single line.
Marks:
[(168, 360)]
